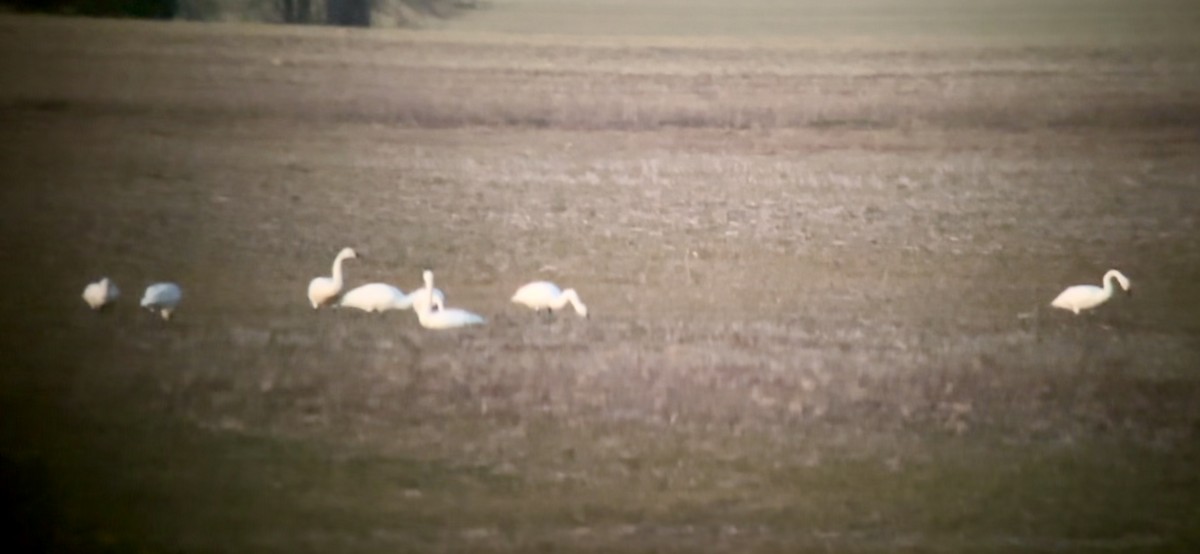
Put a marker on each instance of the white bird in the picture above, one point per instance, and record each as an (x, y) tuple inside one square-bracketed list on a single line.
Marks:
[(443, 318), (322, 290), (1084, 297), (427, 299), (381, 297), (544, 294), (375, 297), (100, 293), (163, 298)]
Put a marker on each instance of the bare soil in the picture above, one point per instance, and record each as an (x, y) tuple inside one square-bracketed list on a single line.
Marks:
[(818, 272)]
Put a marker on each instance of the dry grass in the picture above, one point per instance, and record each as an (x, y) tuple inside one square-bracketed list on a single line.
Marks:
[(817, 273), (432, 81)]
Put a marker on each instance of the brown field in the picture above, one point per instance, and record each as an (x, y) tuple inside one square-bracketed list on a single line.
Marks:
[(818, 265)]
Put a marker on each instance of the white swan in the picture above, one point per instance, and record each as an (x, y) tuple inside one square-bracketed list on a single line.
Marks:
[(100, 293), (322, 290), (375, 297), (163, 298), (381, 297), (544, 294), (420, 299), (1084, 297), (443, 318)]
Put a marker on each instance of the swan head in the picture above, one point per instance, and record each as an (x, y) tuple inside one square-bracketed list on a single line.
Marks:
[(427, 276), (348, 253), (573, 298), (581, 308)]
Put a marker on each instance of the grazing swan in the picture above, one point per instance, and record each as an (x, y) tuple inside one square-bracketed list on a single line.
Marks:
[(544, 294), (163, 298), (322, 290), (100, 293), (1084, 297), (381, 297), (443, 318)]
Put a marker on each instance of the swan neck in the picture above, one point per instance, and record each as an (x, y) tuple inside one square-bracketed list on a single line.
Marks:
[(561, 300), (423, 308), (337, 269), (571, 296), (1108, 282)]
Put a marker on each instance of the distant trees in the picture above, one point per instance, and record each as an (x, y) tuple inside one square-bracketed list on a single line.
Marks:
[(296, 11), (161, 9), (350, 13)]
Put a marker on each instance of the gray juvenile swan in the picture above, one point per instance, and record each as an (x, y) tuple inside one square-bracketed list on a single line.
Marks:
[(162, 298)]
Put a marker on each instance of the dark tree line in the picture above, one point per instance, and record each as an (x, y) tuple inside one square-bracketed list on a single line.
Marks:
[(160, 9), (296, 11), (353, 13)]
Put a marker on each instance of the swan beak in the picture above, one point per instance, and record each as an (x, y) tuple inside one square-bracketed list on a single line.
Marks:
[(1129, 292)]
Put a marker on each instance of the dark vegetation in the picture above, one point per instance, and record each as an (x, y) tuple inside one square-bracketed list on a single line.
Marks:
[(159, 9), (354, 13)]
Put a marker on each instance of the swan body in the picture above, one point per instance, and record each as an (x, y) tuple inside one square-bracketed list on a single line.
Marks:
[(448, 318), (100, 293), (375, 297), (544, 294), (443, 318), (163, 298), (1086, 297), (322, 290), (381, 297)]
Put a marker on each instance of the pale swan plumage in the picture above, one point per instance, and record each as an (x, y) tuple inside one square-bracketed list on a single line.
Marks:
[(420, 299), (375, 297), (323, 290), (100, 293), (1085, 297), (443, 318), (382, 297), (162, 298), (544, 294)]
